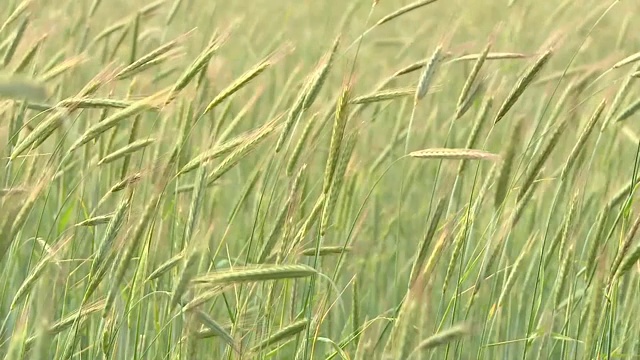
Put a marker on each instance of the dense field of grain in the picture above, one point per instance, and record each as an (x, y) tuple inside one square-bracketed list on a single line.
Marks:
[(253, 179)]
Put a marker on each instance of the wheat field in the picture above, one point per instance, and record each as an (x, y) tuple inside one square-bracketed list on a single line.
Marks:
[(252, 179)]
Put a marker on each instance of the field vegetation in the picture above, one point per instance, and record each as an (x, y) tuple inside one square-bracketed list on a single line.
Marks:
[(253, 179)]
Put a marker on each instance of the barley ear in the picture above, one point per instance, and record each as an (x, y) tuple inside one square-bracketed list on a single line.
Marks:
[(454, 154), (280, 335), (464, 94), (428, 73), (336, 138), (621, 94), (521, 85), (297, 150), (629, 261), (594, 308), (475, 131), (623, 250), (244, 79), (628, 111), (308, 94), (531, 175), (130, 251), (628, 60), (418, 263), (336, 183), (453, 333), (582, 139), (502, 185)]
